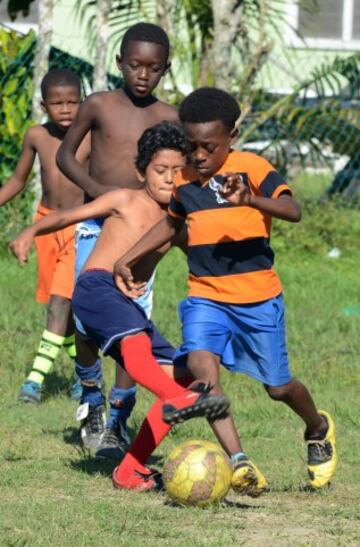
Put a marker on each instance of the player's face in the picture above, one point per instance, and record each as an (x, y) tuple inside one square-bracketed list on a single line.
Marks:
[(142, 66), (208, 146), (161, 172), (61, 105)]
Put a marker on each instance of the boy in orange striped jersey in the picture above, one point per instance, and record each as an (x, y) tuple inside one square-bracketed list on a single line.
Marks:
[(234, 314)]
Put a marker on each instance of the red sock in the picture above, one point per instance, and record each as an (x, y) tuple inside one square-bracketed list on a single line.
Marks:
[(152, 432), (139, 362)]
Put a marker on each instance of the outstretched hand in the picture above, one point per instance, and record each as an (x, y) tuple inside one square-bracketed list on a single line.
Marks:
[(234, 190), (125, 282), (21, 246)]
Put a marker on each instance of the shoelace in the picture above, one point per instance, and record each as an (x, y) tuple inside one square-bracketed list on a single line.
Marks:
[(147, 477), (319, 449), (95, 420), (110, 437)]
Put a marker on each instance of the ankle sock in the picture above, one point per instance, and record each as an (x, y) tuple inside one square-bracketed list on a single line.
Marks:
[(238, 457), (122, 401), (48, 350), (90, 378)]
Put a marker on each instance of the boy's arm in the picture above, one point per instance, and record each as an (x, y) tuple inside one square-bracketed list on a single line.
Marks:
[(17, 181), (181, 240), (106, 205), (157, 236), (66, 160), (284, 207)]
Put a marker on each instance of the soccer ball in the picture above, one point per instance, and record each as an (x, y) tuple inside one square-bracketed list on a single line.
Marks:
[(197, 473)]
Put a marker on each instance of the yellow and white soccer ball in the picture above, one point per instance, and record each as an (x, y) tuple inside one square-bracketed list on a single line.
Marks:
[(197, 473)]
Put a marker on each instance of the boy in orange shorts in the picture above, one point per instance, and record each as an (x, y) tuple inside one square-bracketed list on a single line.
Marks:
[(61, 90)]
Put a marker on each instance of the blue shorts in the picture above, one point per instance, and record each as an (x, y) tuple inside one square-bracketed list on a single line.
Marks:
[(87, 234), (249, 338), (107, 315)]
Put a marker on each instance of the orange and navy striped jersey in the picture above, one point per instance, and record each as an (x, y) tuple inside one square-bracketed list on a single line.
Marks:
[(229, 257)]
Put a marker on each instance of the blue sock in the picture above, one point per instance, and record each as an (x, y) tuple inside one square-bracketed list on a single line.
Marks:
[(122, 402), (238, 457), (92, 393)]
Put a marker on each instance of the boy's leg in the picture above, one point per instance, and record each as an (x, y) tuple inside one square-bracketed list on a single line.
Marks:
[(132, 472), (179, 404), (70, 347), (91, 412), (87, 234), (319, 433), (122, 398), (247, 479), (53, 337)]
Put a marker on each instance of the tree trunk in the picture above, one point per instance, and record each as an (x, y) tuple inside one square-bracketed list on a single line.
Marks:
[(41, 67), (227, 24), (101, 41)]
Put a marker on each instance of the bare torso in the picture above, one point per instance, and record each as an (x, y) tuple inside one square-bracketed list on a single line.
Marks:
[(117, 126), (119, 233), (58, 192)]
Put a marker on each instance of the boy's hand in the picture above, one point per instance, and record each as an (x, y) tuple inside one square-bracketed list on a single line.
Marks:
[(234, 189), (125, 282), (21, 246)]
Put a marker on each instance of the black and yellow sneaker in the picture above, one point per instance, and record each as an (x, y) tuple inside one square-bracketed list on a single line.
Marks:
[(247, 480), (322, 455)]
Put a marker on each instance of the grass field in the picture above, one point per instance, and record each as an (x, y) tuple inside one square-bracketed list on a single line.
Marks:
[(53, 493)]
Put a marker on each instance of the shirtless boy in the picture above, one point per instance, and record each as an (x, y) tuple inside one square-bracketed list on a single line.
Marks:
[(55, 252), (116, 120), (117, 324)]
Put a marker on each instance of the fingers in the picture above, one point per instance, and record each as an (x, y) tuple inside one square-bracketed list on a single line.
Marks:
[(125, 282), (19, 250)]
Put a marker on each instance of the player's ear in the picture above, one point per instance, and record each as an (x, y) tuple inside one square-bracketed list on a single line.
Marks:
[(167, 67), (118, 59), (43, 106), (140, 176), (234, 135)]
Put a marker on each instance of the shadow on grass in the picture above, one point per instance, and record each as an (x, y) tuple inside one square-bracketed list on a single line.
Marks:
[(55, 384), (92, 466), (224, 503), (71, 435)]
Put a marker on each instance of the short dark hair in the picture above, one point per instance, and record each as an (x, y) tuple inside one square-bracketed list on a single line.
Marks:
[(208, 104), (59, 77), (162, 136), (145, 32)]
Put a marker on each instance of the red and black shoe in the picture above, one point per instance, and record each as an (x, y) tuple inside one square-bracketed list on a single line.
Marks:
[(195, 402), (138, 481)]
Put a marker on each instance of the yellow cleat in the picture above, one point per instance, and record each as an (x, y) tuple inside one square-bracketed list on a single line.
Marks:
[(322, 456), (247, 480)]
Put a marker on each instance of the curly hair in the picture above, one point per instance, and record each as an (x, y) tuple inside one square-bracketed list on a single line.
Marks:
[(162, 136), (61, 77), (208, 104), (145, 32)]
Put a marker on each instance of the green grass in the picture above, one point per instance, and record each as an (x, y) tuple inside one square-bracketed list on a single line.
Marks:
[(53, 493)]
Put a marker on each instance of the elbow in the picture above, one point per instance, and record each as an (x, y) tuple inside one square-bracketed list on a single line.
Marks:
[(294, 212), (296, 217)]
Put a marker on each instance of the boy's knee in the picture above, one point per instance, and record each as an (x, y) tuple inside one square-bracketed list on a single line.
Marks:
[(279, 393), (204, 366)]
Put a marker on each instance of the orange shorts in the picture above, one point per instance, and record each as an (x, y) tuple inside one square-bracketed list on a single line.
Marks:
[(56, 261)]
